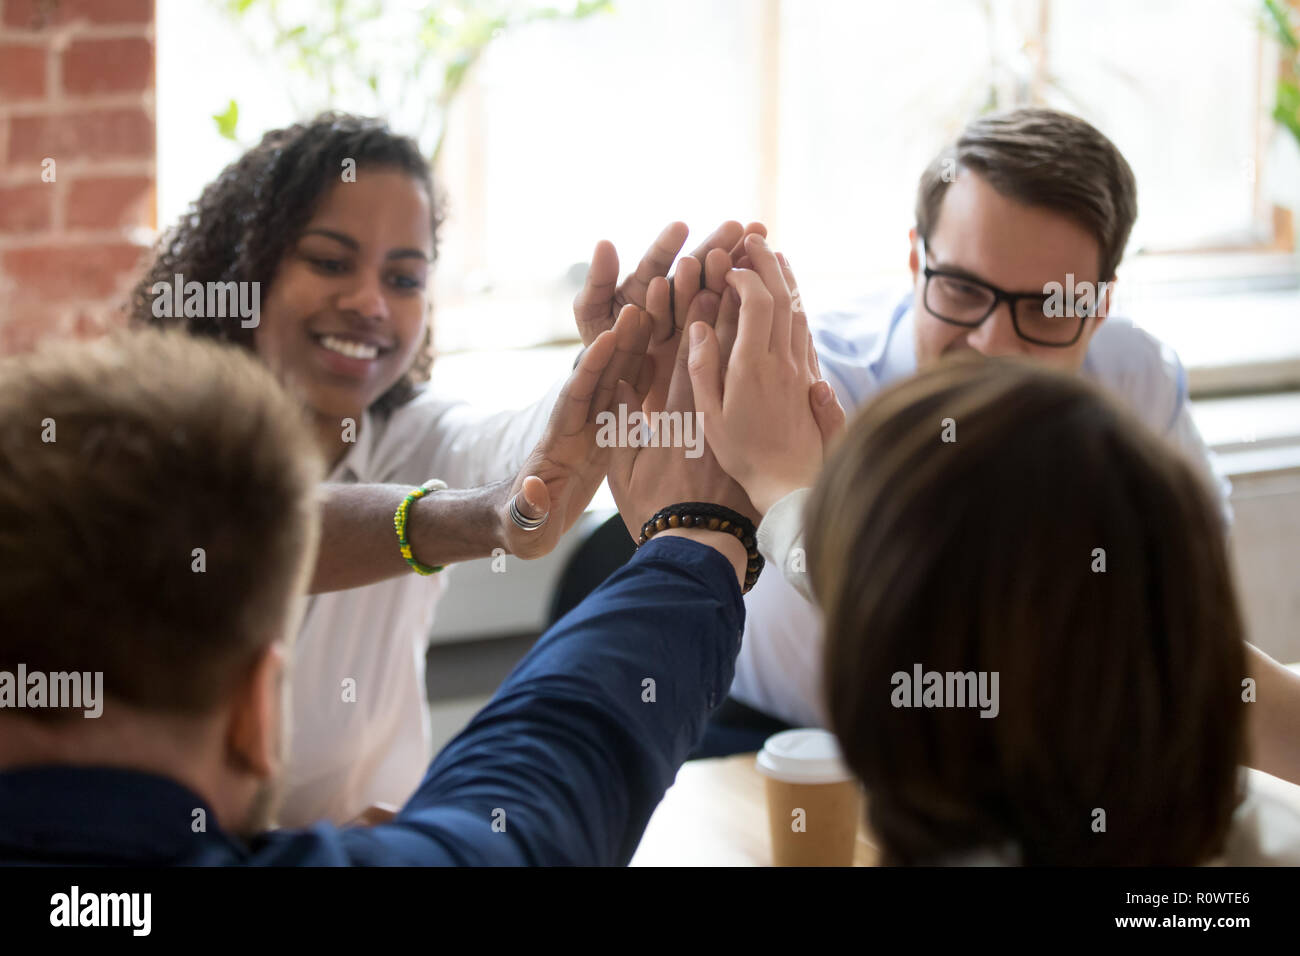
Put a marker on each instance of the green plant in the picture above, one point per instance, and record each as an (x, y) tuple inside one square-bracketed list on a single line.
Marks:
[(1282, 20), (357, 52)]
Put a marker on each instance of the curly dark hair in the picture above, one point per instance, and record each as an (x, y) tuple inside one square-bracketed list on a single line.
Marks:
[(249, 216)]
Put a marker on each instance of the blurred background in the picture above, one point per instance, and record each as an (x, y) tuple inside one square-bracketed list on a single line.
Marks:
[(555, 124)]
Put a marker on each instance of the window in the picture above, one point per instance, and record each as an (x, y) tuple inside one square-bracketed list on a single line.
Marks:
[(816, 118)]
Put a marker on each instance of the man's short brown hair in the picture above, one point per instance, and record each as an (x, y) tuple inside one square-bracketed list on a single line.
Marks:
[(1061, 545), (119, 461), (1046, 158)]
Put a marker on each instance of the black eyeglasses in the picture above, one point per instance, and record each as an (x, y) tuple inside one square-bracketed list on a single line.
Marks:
[(1037, 317)]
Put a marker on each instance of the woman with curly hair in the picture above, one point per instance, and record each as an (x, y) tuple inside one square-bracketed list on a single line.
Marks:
[(336, 220)]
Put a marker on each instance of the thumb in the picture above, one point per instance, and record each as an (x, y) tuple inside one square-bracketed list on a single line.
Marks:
[(706, 379), (534, 499), (827, 410)]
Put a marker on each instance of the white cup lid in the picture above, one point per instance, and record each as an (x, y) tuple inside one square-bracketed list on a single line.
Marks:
[(805, 755)]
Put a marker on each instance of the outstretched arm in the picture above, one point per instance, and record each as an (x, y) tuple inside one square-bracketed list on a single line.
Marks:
[(1274, 724), (358, 544), (569, 759)]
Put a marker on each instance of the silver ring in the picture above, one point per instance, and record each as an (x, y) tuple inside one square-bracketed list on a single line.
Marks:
[(527, 524)]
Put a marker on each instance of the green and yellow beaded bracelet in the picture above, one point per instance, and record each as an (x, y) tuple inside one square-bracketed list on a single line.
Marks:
[(399, 523)]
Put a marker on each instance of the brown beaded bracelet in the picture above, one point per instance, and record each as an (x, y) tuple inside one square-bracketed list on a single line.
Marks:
[(703, 514)]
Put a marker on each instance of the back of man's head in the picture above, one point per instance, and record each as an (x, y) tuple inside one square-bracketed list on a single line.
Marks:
[(156, 517)]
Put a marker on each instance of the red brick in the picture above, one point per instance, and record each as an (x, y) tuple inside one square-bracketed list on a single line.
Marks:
[(92, 322), (57, 273), (26, 208), (22, 71), (108, 66), (111, 202), (28, 324), (97, 134), (38, 14)]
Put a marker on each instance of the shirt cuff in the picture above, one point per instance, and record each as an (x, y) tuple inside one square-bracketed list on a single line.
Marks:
[(780, 536)]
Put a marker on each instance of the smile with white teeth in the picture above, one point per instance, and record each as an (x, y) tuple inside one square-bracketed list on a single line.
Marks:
[(356, 350)]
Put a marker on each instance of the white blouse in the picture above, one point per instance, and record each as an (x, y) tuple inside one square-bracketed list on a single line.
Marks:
[(353, 745)]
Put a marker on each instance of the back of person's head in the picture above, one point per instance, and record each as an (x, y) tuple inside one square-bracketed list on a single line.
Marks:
[(157, 513), (1041, 157), (989, 518)]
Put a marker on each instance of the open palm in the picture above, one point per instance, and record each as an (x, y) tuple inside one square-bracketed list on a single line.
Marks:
[(562, 474)]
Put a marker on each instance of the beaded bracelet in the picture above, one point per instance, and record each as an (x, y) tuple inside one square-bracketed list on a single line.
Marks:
[(703, 514), (399, 523)]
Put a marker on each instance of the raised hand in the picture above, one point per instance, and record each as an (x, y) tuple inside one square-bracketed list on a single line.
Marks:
[(560, 477), (766, 415), (602, 296), (645, 477)]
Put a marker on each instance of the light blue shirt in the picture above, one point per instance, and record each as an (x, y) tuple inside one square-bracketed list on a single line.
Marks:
[(861, 351)]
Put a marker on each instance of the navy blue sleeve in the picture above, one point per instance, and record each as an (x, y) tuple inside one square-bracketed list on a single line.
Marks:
[(568, 760)]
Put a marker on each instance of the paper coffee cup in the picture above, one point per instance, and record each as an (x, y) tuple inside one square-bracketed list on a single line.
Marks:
[(814, 802)]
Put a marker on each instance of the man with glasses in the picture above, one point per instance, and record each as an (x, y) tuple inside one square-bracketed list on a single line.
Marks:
[(1020, 225)]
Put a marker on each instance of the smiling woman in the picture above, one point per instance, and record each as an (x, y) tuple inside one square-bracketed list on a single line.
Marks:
[(347, 308), (335, 221), (284, 208)]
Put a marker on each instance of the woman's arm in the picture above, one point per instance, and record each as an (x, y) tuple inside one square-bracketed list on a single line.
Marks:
[(1274, 724), (358, 543)]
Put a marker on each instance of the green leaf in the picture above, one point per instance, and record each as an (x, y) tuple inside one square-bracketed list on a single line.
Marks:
[(227, 121), (1280, 20), (293, 34), (1287, 110)]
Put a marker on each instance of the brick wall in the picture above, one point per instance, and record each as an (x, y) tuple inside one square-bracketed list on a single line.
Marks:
[(77, 89)]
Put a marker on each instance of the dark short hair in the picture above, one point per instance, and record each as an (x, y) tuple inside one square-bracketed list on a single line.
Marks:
[(1043, 158), (1119, 689), (118, 460), (245, 221)]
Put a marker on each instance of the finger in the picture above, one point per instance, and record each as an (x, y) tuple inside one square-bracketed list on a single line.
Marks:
[(799, 335), (799, 321), (726, 326), (703, 310), (593, 305), (624, 456), (686, 283), (631, 337), (814, 364), (828, 412), (769, 270), (534, 499), (574, 403), (659, 303), (753, 229), (716, 266), (656, 262), (533, 502), (706, 377), (724, 237), (754, 335), (645, 380)]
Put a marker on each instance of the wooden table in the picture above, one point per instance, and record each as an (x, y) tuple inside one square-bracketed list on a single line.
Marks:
[(716, 815)]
